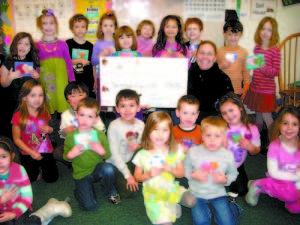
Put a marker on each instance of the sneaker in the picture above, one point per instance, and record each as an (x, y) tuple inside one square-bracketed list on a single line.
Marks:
[(115, 199), (178, 211), (251, 197)]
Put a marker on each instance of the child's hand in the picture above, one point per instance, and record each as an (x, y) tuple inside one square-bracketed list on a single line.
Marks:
[(165, 53), (106, 52), (225, 64), (14, 75), (34, 74), (246, 144), (7, 216), (178, 55), (97, 147), (45, 129), (200, 175), (219, 178), (36, 155), (84, 62), (76, 151), (8, 194), (155, 171), (132, 184), (133, 145), (69, 129), (168, 168), (145, 107)]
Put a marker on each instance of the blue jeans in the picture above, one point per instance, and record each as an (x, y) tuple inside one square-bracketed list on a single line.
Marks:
[(218, 208), (84, 191)]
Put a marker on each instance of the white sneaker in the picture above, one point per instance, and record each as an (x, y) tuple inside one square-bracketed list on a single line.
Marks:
[(251, 197)]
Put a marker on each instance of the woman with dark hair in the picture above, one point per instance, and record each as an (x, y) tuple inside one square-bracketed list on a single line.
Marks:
[(206, 81)]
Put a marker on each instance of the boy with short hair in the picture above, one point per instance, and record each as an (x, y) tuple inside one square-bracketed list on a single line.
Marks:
[(124, 136), (87, 148), (74, 92), (232, 57), (187, 132), (81, 52), (209, 167)]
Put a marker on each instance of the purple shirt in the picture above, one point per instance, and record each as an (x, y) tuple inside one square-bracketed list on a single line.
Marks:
[(234, 134), (99, 46)]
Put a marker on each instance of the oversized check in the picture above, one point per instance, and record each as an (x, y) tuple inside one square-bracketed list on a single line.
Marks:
[(159, 81)]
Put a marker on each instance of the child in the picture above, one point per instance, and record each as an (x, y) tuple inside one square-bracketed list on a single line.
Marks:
[(124, 136), (87, 148), (193, 28), (283, 160), (157, 165), (187, 132), (105, 45), (74, 92), (81, 52), (20, 65), (16, 193), (125, 42), (232, 58), (145, 32), (261, 96), (170, 39), (30, 133), (242, 138), (56, 64), (209, 167)]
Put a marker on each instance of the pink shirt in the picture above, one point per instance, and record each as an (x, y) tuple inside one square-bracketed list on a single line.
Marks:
[(32, 136), (287, 162)]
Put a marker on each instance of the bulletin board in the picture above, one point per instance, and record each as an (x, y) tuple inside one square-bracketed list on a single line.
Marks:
[(20, 16)]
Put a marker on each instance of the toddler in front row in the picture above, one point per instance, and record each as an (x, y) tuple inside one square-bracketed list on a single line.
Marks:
[(209, 167)]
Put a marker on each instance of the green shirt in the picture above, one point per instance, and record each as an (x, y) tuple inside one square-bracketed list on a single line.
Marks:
[(85, 163)]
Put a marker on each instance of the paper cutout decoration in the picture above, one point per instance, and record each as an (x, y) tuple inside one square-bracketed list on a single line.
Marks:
[(255, 61)]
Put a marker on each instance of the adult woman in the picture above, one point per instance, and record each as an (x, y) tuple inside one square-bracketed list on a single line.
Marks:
[(206, 81)]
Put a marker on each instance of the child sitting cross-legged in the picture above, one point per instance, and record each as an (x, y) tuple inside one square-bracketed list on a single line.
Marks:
[(87, 148), (209, 167), (124, 136), (74, 92)]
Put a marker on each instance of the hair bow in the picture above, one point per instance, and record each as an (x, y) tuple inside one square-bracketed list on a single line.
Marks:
[(50, 12)]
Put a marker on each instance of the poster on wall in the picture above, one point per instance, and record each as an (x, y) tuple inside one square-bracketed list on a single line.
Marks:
[(93, 10), (25, 13), (207, 10), (262, 8), (6, 31)]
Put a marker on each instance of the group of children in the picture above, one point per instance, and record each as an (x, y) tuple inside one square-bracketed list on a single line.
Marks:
[(186, 164)]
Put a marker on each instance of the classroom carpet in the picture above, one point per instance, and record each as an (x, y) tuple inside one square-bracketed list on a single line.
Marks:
[(269, 211)]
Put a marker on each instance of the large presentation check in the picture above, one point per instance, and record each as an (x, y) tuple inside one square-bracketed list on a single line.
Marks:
[(159, 81)]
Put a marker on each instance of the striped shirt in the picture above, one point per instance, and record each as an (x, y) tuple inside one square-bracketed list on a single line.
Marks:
[(263, 80), (21, 202), (237, 71)]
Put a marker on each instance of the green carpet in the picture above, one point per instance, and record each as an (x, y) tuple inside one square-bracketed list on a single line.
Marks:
[(269, 211)]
